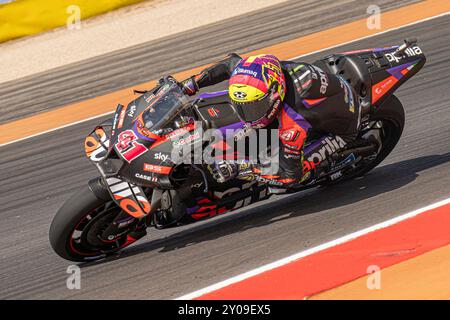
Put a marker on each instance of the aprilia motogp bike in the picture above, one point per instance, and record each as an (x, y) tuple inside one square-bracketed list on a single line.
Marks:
[(140, 186)]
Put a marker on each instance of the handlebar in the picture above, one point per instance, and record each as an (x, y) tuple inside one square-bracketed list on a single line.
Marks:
[(408, 42)]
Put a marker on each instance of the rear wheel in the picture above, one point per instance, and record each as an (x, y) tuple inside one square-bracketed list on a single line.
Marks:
[(76, 232), (390, 118)]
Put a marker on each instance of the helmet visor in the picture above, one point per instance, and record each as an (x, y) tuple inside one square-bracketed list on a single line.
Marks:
[(253, 111)]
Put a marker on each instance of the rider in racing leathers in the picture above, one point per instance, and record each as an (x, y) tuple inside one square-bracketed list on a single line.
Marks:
[(300, 96)]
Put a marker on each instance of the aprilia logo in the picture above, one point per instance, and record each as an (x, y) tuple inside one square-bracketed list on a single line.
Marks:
[(323, 80), (329, 146), (410, 52)]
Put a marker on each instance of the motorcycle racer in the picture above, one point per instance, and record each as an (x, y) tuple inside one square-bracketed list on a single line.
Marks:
[(299, 97)]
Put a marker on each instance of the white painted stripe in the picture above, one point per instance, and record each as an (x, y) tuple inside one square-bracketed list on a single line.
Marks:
[(374, 35), (57, 128), (311, 251), (303, 55)]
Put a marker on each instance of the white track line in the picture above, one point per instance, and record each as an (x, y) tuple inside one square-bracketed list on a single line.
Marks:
[(57, 128), (311, 251), (303, 55), (374, 35)]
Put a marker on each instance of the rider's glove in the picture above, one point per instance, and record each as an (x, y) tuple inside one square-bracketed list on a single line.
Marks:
[(189, 86), (223, 171)]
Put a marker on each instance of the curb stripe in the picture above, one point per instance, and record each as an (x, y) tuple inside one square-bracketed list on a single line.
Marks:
[(343, 240), (424, 277)]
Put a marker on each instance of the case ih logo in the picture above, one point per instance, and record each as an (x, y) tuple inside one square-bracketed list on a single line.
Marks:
[(128, 147)]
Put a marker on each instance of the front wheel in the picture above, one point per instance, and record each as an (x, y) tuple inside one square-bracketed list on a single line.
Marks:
[(76, 230)]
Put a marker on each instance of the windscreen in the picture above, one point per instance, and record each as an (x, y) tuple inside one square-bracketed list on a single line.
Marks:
[(165, 104)]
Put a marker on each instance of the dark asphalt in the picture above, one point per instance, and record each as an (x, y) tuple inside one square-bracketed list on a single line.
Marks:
[(37, 175), (131, 66)]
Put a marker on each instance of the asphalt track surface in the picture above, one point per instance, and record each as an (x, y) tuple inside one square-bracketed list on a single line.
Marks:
[(132, 66), (39, 174)]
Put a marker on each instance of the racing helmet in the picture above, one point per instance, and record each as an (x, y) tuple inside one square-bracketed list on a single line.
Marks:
[(256, 88)]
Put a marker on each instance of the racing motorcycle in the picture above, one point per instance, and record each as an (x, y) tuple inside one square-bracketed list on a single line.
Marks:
[(141, 186)]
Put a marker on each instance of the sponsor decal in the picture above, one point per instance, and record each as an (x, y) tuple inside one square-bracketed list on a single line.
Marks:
[(329, 146), (246, 71), (128, 147), (129, 197), (180, 132), (380, 89), (289, 147), (270, 182), (156, 169), (292, 155), (121, 118), (151, 99), (240, 95), (186, 140), (275, 108), (96, 146), (131, 111), (323, 80), (348, 94), (213, 112), (145, 177), (161, 156), (410, 52), (115, 120), (289, 135), (336, 175)]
